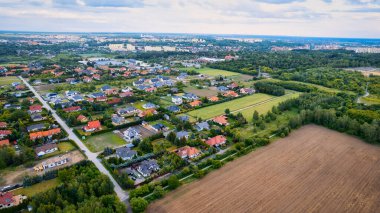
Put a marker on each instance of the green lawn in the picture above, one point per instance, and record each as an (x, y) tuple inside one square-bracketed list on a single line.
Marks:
[(37, 188), (218, 109), (212, 72), (265, 107), (161, 144), (8, 80), (63, 147), (98, 142)]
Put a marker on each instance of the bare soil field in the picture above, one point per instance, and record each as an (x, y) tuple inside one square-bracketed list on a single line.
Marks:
[(314, 169)]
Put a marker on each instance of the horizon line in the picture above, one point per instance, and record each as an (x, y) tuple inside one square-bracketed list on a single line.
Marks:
[(204, 34)]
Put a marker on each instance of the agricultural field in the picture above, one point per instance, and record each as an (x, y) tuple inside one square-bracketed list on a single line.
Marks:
[(97, 143), (37, 188), (314, 169), (8, 80), (266, 106), (212, 72)]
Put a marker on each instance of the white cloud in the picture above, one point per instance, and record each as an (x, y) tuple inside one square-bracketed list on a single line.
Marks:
[(343, 18)]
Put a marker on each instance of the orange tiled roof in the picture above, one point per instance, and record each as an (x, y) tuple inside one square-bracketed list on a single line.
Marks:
[(93, 124), (187, 151), (222, 120), (35, 135), (4, 142), (195, 103), (219, 139), (213, 98)]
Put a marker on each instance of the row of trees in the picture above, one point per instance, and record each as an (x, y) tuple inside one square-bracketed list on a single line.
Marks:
[(269, 88)]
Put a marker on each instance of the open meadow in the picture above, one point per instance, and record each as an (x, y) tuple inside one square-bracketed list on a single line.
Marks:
[(8, 80), (314, 169)]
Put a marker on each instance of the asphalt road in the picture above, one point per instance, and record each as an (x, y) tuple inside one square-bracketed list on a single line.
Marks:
[(123, 195)]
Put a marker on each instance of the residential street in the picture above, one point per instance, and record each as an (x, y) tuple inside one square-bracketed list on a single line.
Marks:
[(123, 195)]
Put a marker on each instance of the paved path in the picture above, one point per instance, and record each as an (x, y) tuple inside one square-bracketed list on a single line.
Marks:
[(123, 195)]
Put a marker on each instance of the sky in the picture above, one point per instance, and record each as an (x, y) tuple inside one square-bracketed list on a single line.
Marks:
[(315, 18)]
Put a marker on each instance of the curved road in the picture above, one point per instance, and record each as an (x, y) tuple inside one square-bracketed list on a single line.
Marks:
[(123, 195)]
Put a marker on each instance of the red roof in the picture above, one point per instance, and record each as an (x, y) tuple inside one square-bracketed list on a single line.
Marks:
[(222, 120), (6, 198), (35, 108), (219, 139), (195, 103), (4, 142), (3, 124), (125, 94), (72, 109), (93, 125), (101, 99), (50, 132), (5, 132), (81, 118), (213, 98), (187, 151), (114, 101)]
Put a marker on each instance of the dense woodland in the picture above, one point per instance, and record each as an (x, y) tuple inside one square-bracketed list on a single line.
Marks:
[(83, 189)]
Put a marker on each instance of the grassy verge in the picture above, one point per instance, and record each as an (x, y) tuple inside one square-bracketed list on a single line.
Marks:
[(37, 188)]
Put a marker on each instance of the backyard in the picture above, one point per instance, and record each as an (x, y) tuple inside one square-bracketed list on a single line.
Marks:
[(97, 143)]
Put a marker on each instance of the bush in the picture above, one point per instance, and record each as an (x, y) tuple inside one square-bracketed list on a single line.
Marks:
[(138, 204), (173, 182)]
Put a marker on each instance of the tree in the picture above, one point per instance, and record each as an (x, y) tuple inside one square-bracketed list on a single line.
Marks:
[(158, 192), (227, 111), (255, 117), (138, 204), (173, 182)]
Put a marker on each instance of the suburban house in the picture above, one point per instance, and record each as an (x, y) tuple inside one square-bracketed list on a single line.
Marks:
[(35, 127), (46, 149), (105, 88), (183, 118), (51, 163), (76, 98), (177, 100), (195, 103), (4, 142), (125, 153), (125, 94), (213, 98), (173, 108), (131, 134), (42, 134), (72, 109), (188, 152), (182, 134), (3, 125), (149, 106), (230, 93), (233, 85), (202, 126), (147, 112), (92, 126), (221, 120), (114, 101), (147, 167), (35, 108), (117, 120), (222, 88), (217, 141), (127, 110), (158, 127), (97, 95), (247, 91), (36, 117), (5, 133), (6, 200), (82, 118), (190, 96), (111, 92)]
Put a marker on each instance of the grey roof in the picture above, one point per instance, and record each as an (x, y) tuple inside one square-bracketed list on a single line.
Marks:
[(105, 87), (125, 152), (173, 108), (183, 118), (35, 127), (159, 126), (202, 125), (149, 166), (182, 134)]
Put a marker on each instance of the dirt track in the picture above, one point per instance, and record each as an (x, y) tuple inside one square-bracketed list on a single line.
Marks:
[(312, 170)]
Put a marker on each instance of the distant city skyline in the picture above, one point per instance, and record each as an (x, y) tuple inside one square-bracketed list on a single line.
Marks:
[(309, 18)]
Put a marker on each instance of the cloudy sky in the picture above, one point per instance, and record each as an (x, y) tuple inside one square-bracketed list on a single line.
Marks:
[(330, 18)]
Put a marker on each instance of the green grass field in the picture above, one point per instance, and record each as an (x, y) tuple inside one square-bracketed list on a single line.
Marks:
[(8, 80), (37, 188), (281, 120), (98, 142), (265, 107), (218, 109), (371, 99), (212, 72)]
